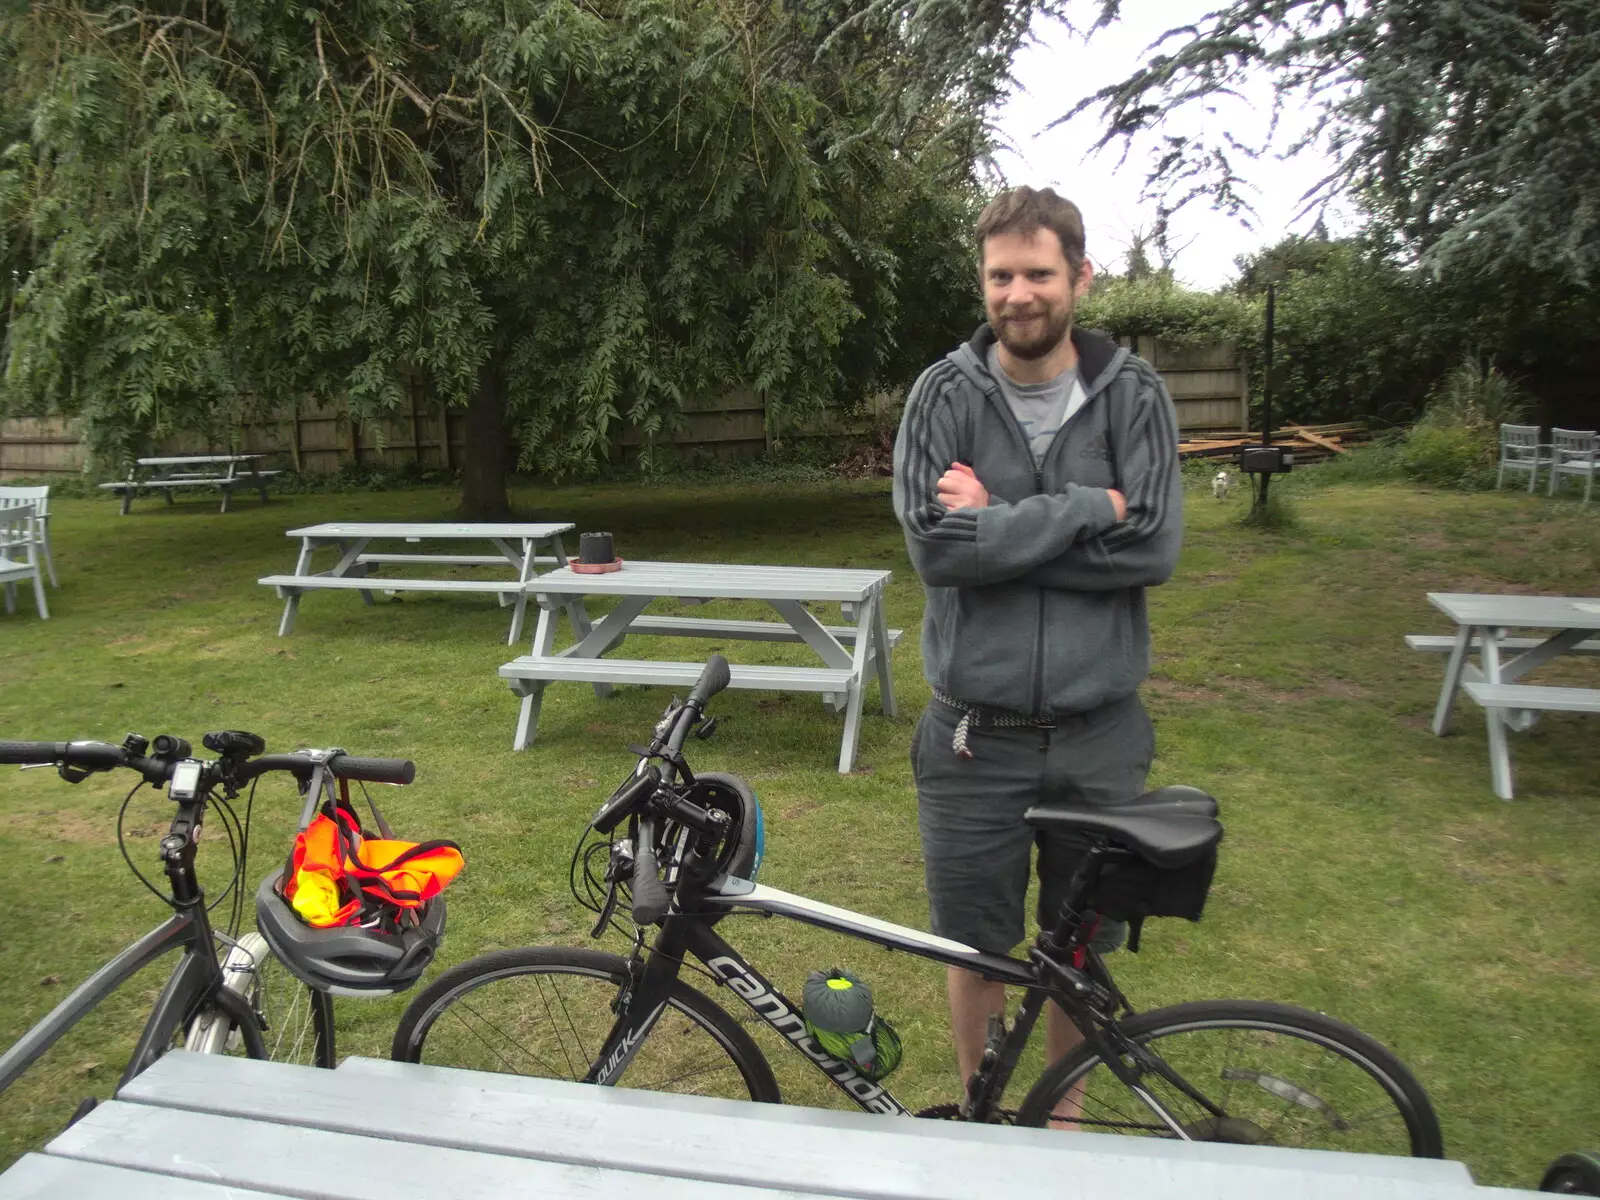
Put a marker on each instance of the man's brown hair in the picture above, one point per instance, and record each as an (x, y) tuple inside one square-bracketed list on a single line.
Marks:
[(1027, 210)]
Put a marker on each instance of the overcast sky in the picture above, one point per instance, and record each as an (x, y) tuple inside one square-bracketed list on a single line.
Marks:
[(1060, 69)]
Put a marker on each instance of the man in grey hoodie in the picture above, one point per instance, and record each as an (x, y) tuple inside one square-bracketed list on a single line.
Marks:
[(1036, 478)]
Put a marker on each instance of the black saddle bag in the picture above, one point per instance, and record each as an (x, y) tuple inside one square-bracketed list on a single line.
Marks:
[(1131, 889)]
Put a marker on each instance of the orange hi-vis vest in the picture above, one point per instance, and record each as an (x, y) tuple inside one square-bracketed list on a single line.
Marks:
[(337, 876)]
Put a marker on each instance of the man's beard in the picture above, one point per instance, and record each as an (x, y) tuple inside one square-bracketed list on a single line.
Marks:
[(1055, 327)]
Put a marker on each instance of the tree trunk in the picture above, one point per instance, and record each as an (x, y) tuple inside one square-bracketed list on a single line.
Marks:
[(483, 469)]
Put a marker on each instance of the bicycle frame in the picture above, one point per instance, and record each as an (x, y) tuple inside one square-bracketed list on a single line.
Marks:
[(689, 929), (693, 933), (195, 981)]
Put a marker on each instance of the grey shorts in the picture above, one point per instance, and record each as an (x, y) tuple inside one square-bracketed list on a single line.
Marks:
[(975, 843)]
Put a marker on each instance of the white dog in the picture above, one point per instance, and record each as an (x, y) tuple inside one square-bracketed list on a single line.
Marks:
[(1219, 485)]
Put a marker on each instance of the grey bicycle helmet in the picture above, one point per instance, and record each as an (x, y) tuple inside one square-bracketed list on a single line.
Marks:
[(348, 960)]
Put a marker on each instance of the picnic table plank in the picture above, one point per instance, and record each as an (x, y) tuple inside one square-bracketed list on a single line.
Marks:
[(37, 1176), (302, 1161), (721, 1142)]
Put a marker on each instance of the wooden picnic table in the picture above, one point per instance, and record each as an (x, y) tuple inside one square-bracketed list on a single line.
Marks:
[(210, 1127), (1482, 623), (165, 475), (516, 545), (849, 652)]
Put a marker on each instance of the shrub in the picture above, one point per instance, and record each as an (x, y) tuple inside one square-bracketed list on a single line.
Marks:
[(1456, 441), (1458, 456)]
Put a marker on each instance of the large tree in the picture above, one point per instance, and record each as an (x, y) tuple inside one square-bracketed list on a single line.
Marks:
[(561, 214), (1465, 127)]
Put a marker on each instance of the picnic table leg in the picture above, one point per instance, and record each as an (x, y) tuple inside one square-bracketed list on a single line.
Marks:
[(127, 496), (349, 552), (852, 728), (1452, 680), (813, 633), (260, 482), (167, 492), (1499, 752), (11, 597), (524, 565), (858, 685), (544, 637), (880, 651), (302, 566), (582, 627)]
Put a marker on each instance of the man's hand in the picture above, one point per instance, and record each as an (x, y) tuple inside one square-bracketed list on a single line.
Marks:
[(1118, 502), (959, 488)]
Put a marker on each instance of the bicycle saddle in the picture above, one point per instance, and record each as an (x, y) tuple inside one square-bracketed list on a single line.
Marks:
[(1169, 827)]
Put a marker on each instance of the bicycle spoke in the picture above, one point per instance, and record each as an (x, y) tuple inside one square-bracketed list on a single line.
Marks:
[(488, 1045), (585, 1057), (657, 1085), (540, 985)]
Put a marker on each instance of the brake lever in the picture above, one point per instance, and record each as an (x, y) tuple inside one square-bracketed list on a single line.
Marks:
[(70, 774), (706, 728)]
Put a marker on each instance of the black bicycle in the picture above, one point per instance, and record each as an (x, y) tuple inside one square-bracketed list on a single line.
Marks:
[(1226, 1070), (227, 992)]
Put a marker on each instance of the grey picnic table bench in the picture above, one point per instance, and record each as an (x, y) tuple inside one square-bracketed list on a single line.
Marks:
[(517, 547), (1482, 622), (166, 475), (206, 1127), (850, 653)]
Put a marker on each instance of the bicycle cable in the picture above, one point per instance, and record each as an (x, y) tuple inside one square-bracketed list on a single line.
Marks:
[(230, 822), (122, 845)]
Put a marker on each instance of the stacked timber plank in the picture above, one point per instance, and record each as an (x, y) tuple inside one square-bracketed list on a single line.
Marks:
[(1308, 443)]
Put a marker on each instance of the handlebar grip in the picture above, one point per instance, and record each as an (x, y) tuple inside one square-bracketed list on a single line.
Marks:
[(373, 770), (650, 897), (712, 680), (32, 752)]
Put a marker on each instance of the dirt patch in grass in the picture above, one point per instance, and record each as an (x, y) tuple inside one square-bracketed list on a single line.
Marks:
[(1171, 689), (1343, 689)]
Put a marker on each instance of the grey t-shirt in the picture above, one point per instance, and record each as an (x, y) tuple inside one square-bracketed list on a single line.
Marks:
[(1040, 408)]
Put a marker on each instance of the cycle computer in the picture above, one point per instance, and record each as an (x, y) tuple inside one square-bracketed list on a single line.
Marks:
[(185, 780)]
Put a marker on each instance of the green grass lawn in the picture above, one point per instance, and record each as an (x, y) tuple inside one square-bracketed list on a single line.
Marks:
[(1368, 872)]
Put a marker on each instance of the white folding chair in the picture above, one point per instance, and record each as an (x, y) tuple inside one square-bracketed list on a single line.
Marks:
[(1574, 452), (39, 497), (1520, 451), (19, 556)]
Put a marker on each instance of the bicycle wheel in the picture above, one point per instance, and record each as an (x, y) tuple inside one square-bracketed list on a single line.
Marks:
[(297, 1021), (1574, 1175), (546, 1011), (1268, 1074)]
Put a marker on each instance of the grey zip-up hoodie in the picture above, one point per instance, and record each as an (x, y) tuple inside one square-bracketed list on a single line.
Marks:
[(1036, 603)]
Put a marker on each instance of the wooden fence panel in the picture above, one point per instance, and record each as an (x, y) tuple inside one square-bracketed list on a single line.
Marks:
[(1209, 387)]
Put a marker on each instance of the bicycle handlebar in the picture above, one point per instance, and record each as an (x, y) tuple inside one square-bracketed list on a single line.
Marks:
[(97, 756), (713, 679), (341, 766), (650, 896), (103, 756)]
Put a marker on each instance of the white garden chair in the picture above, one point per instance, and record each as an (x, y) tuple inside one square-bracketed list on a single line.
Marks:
[(19, 556), (1574, 452), (1520, 451), (39, 497)]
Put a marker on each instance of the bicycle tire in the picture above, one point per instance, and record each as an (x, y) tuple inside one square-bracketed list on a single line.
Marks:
[(296, 1020), (1280, 1102), (514, 1029)]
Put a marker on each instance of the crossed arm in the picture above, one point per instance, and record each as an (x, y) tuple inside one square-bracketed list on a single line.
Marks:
[(1080, 538)]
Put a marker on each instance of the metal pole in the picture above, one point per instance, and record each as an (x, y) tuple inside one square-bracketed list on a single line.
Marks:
[(1266, 394)]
